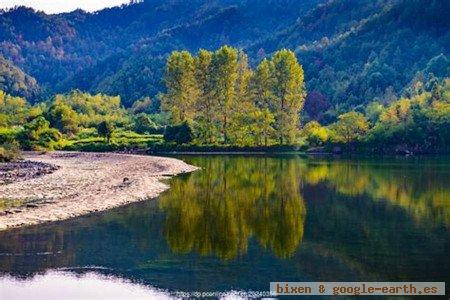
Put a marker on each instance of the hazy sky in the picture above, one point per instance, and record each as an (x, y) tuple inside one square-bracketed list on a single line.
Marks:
[(56, 6)]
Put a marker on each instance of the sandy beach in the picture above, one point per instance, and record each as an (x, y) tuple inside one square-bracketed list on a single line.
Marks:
[(81, 183)]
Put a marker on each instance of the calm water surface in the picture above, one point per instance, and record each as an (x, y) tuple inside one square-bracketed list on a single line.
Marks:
[(243, 221)]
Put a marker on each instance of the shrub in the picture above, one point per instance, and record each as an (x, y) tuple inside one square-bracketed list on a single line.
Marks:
[(315, 134), (9, 151), (9, 134), (105, 129), (85, 133), (143, 124), (38, 135), (179, 134)]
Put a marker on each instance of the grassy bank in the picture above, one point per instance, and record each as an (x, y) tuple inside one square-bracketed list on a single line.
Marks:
[(120, 141)]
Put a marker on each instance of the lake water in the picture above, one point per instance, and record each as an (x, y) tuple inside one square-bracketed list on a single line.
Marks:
[(242, 222)]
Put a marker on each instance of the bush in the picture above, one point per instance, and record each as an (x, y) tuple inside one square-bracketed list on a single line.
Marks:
[(105, 129), (143, 124), (315, 134), (9, 151), (37, 135), (9, 134), (179, 134), (85, 133)]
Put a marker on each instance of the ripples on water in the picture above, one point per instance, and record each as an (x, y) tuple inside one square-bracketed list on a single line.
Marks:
[(242, 222)]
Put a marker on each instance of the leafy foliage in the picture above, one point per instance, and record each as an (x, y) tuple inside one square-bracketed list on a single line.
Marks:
[(105, 129), (38, 135), (230, 104), (9, 151), (419, 124), (120, 51), (358, 51), (143, 124), (179, 134), (350, 127), (353, 51), (74, 121), (16, 82), (90, 109), (315, 134)]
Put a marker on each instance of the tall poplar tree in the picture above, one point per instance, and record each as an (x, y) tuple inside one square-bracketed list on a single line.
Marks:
[(224, 72), (244, 76), (262, 85), (241, 121), (230, 103), (262, 93), (182, 90), (207, 104), (289, 94)]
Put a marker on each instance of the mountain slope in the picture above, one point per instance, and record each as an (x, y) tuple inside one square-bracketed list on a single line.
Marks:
[(372, 51), (353, 51), (15, 82), (59, 49)]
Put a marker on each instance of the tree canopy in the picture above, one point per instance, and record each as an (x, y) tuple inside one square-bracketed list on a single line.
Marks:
[(229, 103)]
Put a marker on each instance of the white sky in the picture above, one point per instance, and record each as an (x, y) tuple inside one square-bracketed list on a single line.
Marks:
[(57, 6)]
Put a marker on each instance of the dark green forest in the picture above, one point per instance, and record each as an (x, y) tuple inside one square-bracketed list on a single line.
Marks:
[(357, 75), (352, 51)]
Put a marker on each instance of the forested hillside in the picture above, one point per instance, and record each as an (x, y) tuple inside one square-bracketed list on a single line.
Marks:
[(95, 52), (380, 56), (14, 81), (352, 51)]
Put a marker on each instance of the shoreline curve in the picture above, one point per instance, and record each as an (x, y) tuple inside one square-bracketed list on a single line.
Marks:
[(86, 182)]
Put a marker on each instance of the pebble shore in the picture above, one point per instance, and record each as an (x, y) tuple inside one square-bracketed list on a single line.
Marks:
[(62, 185)]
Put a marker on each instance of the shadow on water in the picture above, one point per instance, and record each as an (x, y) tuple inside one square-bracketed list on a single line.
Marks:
[(243, 221)]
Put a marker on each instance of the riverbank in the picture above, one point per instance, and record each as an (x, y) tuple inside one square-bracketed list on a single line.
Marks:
[(81, 183)]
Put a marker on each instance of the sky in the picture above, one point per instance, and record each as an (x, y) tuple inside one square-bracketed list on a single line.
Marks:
[(57, 6)]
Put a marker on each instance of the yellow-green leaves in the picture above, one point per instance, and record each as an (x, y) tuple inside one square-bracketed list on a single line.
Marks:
[(182, 88), (350, 126), (232, 104), (289, 94)]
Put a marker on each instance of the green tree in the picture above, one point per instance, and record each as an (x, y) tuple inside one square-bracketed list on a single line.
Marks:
[(262, 85), (289, 94), (13, 110), (93, 109), (207, 104), (182, 90), (244, 76), (62, 117), (373, 111), (145, 105), (262, 126), (105, 129), (224, 70), (179, 134), (38, 135), (314, 133), (9, 151), (143, 124), (241, 121), (350, 126)]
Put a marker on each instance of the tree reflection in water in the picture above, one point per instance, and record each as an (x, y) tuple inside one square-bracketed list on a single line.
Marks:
[(422, 190), (217, 210), (241, 222)]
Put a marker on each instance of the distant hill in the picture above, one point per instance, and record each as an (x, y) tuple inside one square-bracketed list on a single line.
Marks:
[(374, 54), (352, 50), (16, 82)]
